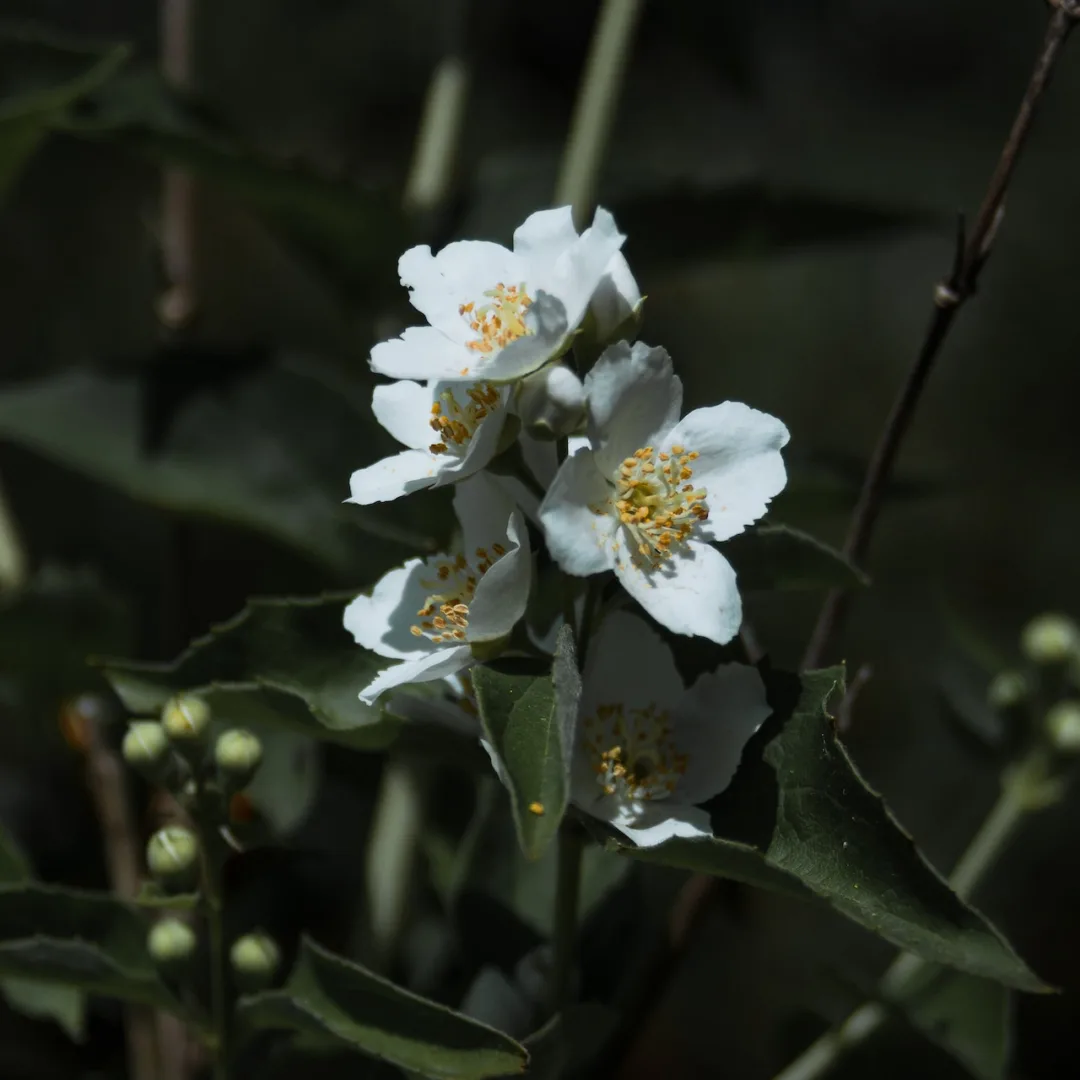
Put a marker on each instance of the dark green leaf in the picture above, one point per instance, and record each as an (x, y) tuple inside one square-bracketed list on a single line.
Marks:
[(40, 80), (151, 895), (568, 1040), (280, 663), (275, 458), (327, 996), (65, 1005), (799, 814), (746, 220), (85, 940), (13, 865), (774, 557), (528, 721)]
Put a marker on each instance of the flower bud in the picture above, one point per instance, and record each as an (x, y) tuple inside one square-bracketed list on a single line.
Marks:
[(185, 719), (237, 754), (172, 944), (255, 959), (173, 858), (1063, 727), (1007, 690), (1051, 639), (146, 749), (551, 402)]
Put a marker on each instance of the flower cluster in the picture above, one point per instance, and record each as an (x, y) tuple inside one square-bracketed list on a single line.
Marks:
[(640, 490)]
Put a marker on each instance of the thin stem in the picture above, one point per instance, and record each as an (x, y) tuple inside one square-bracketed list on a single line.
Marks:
[(594, 110), (950, 295), (212, 904), (1020, 795), (567, 888)]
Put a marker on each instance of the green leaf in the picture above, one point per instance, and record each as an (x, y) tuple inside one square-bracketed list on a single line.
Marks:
[(85, 940), (275, 458), (798, 816), (40, 80), (13, 865), (327, 996), (281, 663), (285, 787), (528, 720), (775, 557), (568, 1040), (151, 895), (65, 1005)]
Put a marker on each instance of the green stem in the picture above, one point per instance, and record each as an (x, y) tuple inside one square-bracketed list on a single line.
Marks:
[(567, 888), (213, 908), (1024, 789), (595, 106)]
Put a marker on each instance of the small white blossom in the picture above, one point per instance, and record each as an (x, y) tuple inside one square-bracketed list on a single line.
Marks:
[(647, 752), (616, 304), (452, 431), (494, 314), (430, 612), (651, 491), (551, 402)]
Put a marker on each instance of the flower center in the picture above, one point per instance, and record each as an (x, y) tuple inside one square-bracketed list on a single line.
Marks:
[(656, 501), (501, 321), (444, 618), (455, 423), (633, 752)]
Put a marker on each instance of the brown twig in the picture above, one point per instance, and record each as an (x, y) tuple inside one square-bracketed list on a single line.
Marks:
[(950, 295), (972, 251)]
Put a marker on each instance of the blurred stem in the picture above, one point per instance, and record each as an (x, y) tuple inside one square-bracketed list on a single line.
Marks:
[(437, 139), (212, 904), (1025, 788), (972, 252), (594, 110), (13, 567), (567, 889)]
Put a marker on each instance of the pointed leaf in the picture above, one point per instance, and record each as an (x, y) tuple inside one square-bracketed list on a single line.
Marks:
[(327, 996), (284, 663), (65, 1005), (80, 939), (274, 458), (774, 557), (799, 814), (528, 721)]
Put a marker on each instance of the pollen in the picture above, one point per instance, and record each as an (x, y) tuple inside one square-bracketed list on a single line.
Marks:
[(500, 322), (633, 753), (456, 422), (656, 503), (536, 808)]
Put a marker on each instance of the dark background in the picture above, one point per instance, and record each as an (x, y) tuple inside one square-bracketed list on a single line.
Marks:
[(788, 176)]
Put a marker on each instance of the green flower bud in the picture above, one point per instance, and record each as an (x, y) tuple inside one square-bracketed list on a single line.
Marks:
[(1063, 727), (185, 719), (1051, 639), (237, 754), (172, 944), (173, 858), (255, 959), (1008, 690), (146, 749)]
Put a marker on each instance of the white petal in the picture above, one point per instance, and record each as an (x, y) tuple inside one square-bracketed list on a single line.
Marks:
[(713, 723), (548, 325), (392, 477), (427, 668), (615, 299), (503, 592), (694, 592), (459, 273), (480, 449), (633, 394), (422, 352), (483, 508), (380, 622), (404, 409), (666, 820), (739, 466), (542, 237), (579, 539)]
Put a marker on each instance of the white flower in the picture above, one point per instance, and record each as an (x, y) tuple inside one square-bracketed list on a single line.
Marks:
[(616, 304), (495, 314), (452, 431), (647, 751), (430, 612), (651, 491)]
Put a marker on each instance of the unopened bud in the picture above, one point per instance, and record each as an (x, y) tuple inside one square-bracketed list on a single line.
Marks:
[(172, 944), (1063, 726), (255, 959), (1051, 639), (1007, 690), (173, 858), (146, 749), (237, 754), (551, 402), (185, 719)]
